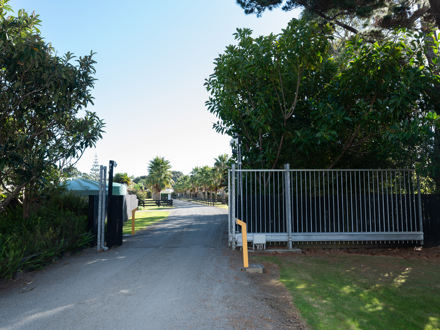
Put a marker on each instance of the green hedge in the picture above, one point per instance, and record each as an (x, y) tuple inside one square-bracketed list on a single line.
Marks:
[(58, 225)]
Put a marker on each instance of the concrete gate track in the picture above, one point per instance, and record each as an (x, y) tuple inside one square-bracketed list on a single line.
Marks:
[(178, 274)]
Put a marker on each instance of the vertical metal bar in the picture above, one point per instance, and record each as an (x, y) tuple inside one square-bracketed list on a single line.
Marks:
[(326, 221), (274, 202), (347, 224), (343, 207), (383, 202), (229, 208), (246, 201), (320, 208), (288, 206), (98, 245), (374, 202), (233, 206), (388, 208), (310, 203), (261, 207), (405, 198), (420, 205), (360, 202), (264, 202), (356, 199), (369, 201), (410, 201), (302, 206), (240, 191), (333, 194), (255, 203), (306, 209), (249, 200), (297, 205), (351, 201), (104, 208), (279, 199), (414, 201), (365, 222), (401, 201), (314, 202), (377, 226), (337, 200), (392, 201)]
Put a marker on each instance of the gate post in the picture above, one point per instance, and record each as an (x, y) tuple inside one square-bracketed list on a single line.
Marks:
[(420, 208), (229, 209), (232, 207), (288, 200)]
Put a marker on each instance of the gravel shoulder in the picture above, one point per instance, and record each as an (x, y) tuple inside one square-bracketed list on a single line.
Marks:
[(176, 274)]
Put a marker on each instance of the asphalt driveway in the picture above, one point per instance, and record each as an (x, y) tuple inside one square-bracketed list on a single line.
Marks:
[(178, 274)]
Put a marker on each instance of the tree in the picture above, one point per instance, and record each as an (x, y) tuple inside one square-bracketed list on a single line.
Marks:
[(176, 175), (122, 178), (159, 176), (261, 88), (42, 97), (95, 170), (386, 13), (221, 165), (291, 99), (182, 185)]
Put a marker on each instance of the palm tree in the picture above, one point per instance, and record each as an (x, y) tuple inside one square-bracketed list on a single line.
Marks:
[(221, 166), (159, 176)]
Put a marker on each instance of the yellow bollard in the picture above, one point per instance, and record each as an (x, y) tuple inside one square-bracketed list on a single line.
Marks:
[(244, 243), (133, 216)]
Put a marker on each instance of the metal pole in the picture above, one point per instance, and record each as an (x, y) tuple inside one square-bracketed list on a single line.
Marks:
[(420, 204), (101, 174), (233, 206), (229, 208), (288, 205), (111, 225)]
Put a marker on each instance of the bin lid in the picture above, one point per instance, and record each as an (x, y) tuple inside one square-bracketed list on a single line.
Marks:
[(90, 187)]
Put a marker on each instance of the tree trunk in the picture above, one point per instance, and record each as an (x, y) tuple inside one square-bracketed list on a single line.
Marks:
[(156, 195)]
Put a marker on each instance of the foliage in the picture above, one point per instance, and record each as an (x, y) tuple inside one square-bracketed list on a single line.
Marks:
[(261, 84), (176, 175), (292, 101), (386, 13), (122, 178), (59, 225), (205, 179), (42, 96), (159, 175)]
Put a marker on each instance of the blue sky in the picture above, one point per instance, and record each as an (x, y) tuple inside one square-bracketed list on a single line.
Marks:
[(153, 57)]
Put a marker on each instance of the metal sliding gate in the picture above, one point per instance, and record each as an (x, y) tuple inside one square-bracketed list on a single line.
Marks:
[(325, 205)]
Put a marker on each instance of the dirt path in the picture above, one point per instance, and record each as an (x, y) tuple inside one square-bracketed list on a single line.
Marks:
[(178, 274)]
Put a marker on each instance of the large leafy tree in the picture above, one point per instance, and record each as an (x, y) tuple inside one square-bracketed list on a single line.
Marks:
[(159, 176), (291, 99), (44, 124), (260, 84)]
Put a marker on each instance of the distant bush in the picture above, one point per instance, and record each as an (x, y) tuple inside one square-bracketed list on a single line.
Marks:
[(58, 225)]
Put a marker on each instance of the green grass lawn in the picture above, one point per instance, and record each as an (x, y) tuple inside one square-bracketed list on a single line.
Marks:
[(144, 219), (362, 292)]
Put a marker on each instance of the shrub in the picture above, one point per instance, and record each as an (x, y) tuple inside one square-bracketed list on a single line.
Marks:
[(58, 225)]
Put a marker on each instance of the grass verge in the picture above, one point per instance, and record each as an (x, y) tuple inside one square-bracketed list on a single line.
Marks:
[(144, 219), (362, 292)]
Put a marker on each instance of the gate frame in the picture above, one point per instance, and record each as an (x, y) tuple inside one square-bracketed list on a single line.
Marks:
[(289, 236)]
